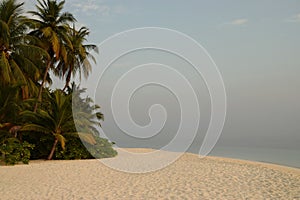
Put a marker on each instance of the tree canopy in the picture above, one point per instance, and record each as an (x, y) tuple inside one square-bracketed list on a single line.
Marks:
[(30, 113)]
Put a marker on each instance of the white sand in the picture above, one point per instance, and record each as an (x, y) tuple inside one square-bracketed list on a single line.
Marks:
[(187, 178)]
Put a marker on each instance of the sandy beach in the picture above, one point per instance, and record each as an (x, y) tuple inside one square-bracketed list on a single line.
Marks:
[(189, 177)]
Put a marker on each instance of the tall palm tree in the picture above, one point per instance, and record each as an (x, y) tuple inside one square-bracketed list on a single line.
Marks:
[(19, 57), (78, 55), (57, 119), (51, 26)]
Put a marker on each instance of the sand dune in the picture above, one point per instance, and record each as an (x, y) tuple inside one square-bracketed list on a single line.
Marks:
[(187, 178)]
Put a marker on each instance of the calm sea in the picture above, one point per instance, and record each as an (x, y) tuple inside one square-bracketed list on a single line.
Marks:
[(285, 157)]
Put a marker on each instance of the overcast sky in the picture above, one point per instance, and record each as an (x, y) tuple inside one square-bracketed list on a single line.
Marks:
[(255, 44)]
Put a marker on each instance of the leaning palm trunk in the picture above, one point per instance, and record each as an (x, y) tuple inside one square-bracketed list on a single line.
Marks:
[(53, 149), (67, 81), (41, 87)]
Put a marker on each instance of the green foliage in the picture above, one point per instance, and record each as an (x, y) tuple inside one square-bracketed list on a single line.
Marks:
[(9, 105), (18, 55), (29, 49), (76, 149), (56, 119), (13, 151), (103, 149), (42, 142), (78, 56)]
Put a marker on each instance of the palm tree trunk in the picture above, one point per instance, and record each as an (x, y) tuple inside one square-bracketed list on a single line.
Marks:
[(67, 82), (65, 87), (41, 87), (68, 79), (53, 149)]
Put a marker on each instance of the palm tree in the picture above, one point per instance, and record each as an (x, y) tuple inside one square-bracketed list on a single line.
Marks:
[(85, 113), (57, 119), (19, 57), (51, 27), (78, 55)]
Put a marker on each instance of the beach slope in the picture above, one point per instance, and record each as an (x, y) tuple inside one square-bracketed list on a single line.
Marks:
[(189, 177)]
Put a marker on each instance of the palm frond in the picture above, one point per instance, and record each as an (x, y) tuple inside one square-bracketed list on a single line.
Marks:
[(5, 68), (35, 127), (89, 138), (61, 139)]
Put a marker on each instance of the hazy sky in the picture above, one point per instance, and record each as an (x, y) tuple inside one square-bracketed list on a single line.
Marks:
[(255, 44)]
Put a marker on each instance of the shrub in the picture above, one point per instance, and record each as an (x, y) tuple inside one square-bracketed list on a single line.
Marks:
[(43, 144), (76, 149), (13, 151), (103, 148)]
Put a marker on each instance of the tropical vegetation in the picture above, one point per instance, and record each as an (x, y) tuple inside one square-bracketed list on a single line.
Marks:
[(37, 122)]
